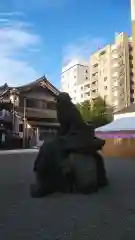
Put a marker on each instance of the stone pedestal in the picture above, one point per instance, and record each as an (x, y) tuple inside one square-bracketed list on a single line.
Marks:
[(85, 172)]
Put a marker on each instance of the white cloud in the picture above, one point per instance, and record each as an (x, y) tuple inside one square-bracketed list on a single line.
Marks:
[(16, 39), (11, 14), (82, 48)]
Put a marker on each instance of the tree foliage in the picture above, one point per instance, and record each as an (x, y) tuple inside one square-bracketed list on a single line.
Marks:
[(97, 112)]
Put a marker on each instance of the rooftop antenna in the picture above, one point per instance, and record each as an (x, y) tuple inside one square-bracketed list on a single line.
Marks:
[(98, 46)]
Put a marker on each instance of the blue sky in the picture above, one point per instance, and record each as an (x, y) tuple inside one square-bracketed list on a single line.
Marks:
[(38, 36)]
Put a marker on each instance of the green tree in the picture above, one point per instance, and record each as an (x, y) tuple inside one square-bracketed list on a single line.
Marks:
[(85, 110), (97, 111)]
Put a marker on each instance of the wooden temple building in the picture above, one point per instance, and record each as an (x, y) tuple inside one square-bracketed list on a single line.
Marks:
[(33, 109)]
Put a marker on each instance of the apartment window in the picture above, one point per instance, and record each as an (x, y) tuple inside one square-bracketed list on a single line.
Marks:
[(132, 99), (130, 57), (95, 90), (94, 74), (81, 95), (87, 86), (74, 77), (131, 65), (87, 94), (130, 47), (132, 91), (95, 65), (114, 51), (51, 105), (132, 74), (20, 127), (81, 88), (86, 71), (105, 87), (102, 53), (132, 82), (86, 78), (31, 103), (105, 79)]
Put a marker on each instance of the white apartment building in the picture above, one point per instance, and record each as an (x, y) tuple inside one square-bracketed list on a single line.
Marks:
[(75, 80)]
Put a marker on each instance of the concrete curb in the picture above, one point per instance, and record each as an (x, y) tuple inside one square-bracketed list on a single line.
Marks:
[(18, 151)]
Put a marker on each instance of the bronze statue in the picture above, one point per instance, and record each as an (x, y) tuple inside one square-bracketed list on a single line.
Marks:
[(63, 164)]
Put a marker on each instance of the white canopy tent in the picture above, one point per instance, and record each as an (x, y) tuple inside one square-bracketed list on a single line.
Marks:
[(121, 124)]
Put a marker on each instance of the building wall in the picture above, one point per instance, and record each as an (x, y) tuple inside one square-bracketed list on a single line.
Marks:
[(132, 92), (121, 73), (100, 74), (74, 76), (39, 94), (133, 44), (108, 75)]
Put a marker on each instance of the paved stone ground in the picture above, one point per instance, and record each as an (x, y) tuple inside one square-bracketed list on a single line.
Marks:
[(106, 215)]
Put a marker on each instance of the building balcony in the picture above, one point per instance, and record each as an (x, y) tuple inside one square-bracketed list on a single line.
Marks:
[(115, 56), (132, 99), (87, 96), (115, 74), (36, 113), (115, 65), (130, 47), (132, 81), (86, 90), (94, 73), (115, 103), (94, 87), (115, 84), (94, 94), (94, 79), (115, 94)]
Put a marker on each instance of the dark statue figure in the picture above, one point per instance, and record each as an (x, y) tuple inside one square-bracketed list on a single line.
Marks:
[(71, 162)]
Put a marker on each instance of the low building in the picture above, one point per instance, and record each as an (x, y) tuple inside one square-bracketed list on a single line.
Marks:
[(125, 112), (34, 109)]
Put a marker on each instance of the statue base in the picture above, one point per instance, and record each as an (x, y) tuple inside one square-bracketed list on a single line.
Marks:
[(78, 173)]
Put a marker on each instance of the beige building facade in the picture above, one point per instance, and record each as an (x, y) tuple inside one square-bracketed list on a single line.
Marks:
[(110, 73), (133, 44)]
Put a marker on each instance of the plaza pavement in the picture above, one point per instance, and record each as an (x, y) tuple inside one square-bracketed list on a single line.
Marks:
[(106, 215)]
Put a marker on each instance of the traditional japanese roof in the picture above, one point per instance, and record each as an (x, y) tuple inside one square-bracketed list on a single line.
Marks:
[(42, 82), (128, 109), (4, 86), (4, 89)]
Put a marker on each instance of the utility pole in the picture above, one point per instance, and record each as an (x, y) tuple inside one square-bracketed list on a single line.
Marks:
[(13, 91), (24, 122)]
